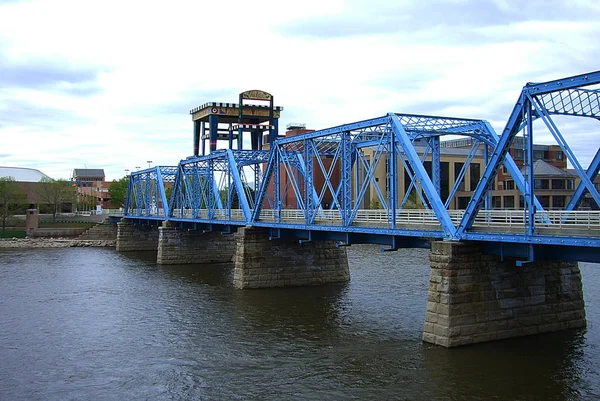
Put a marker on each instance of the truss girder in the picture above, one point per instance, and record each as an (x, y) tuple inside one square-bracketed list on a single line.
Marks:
[(146, 196), (537, 100), (334, 162), (572, 102)]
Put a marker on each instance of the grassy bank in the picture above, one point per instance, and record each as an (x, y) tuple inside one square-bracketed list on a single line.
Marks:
[(61, 224), (12, 233)]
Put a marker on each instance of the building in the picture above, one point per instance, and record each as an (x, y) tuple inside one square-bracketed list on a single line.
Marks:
[(553, 182), (288, 198), (27, 180), (92, 187)]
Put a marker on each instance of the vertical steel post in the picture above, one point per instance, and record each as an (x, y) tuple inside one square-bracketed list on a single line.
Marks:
[(213, 127), (486, 159), (276, 183), (346, 178), (528, 153), (434, 142), (197, 124), (394, 174), (274, 132), (308, 181), (202, 133)]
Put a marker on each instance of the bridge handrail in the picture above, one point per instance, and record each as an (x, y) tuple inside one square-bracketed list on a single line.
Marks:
[(486, 219)]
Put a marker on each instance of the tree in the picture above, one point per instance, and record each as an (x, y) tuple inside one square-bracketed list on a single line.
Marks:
[(118, 191), (10, 196), (55, 193)]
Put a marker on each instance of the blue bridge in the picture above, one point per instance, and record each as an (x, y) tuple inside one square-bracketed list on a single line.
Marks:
[(494, 272), (284, 187)]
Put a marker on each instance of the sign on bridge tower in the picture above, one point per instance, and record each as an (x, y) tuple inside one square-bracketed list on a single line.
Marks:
[(215, 121)]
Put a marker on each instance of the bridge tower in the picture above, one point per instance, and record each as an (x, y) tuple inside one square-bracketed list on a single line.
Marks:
[(216, 121)]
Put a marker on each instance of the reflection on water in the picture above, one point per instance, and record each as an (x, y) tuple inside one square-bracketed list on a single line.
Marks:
[(81, 323)]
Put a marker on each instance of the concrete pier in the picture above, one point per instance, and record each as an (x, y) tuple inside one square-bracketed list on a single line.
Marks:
[(132, 237), (474, 297), (261, 263), (182, 246)]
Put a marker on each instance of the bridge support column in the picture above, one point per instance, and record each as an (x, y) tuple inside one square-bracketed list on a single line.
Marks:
[(132, 237), (261, 263), (182, 246), (475, 297)]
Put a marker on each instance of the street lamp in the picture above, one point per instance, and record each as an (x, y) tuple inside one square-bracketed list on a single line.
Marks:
[(137, 167), (149, 163), (126, 171)]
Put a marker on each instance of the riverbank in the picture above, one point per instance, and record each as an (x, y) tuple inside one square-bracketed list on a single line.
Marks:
[(53, 243)]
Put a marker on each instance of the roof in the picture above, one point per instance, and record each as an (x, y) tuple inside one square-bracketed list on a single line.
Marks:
[(88, 172), (22, 174), (543, 169)]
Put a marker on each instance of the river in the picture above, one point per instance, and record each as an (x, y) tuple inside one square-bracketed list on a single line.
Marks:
[(93, 324)]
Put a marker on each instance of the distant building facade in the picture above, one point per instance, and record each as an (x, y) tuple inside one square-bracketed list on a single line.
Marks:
[(27, 179), (553, 182), (92, 186)]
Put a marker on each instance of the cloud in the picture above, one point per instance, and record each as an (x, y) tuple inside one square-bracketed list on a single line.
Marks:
[(42, 75), (115, 90), (415, 19)]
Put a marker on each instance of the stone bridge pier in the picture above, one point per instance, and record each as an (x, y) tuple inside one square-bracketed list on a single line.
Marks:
[(134, 237), (258, 261), (475, 297)]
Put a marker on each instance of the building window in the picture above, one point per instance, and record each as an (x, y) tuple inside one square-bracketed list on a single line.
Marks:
[(496, 202), (541, 184), (544, 201), (463, 201), (509, 184), (518, 154), (540, 154), (457, 168), (570, 184), (558, 184), (475, 175), (509, 202), (558, 201), (559, 155)]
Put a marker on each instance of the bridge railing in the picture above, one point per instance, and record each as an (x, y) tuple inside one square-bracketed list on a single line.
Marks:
[(204, 214)]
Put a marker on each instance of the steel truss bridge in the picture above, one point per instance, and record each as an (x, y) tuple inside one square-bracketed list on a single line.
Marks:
[(231, 188)]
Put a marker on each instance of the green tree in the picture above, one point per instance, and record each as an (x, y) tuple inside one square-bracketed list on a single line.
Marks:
[(55, 193), (10, 197), (168, 193), (118, 191), (235, 201)]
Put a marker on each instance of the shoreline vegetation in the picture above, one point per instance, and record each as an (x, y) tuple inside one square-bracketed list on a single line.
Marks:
[(53, 243)]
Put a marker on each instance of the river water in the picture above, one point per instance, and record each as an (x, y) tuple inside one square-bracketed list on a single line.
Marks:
[(93, 324)]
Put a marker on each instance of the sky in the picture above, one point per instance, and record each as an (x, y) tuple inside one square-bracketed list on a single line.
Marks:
[(110, 84)]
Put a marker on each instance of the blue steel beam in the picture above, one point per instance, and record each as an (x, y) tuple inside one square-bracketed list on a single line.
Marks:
[(419, 170), (577, 81), (463, 171), (335, 130), (237, 181), (592, 172), (572, 102)]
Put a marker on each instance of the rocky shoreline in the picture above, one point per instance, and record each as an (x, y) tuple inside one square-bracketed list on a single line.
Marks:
[(53, 243)]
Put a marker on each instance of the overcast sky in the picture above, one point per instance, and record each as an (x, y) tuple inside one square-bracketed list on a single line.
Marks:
[(109, 84)]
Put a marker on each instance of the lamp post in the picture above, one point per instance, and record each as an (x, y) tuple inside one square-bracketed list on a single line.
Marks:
[(137, 168), (149, 163)]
